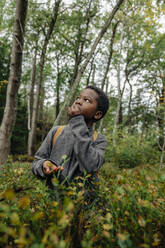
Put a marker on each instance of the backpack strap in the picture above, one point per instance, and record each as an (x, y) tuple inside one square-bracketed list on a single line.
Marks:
[(59, 130), (95, 134)]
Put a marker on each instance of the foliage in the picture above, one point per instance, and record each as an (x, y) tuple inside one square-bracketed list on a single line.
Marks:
[(21, 158), (128, 210), (132, 150), (4, 60), (20, 131)]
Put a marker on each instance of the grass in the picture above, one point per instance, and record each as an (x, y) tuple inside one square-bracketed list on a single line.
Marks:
[(127, 210)]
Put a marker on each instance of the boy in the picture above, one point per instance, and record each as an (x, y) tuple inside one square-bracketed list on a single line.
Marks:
[(75, 151)]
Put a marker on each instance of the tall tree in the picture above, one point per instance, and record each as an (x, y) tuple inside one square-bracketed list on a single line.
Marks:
[(32, 133), (84, 65), (31, 89), (14, 79), (103, 83)]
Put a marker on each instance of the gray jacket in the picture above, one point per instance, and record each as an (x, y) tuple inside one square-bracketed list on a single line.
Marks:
[(74, 149)]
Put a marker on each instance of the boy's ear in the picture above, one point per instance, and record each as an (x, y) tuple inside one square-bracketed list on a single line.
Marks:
[(98, 115)]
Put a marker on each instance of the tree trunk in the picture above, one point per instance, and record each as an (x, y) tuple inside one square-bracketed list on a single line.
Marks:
[(161, 125), (57, 101), (110, 55), (129, 107), (119, 114), (14, 80), (162, 164), (161, 114), (41, 105), (32, 133), (92, 68), (93, 75), (106, 91), (79, 50), (31, 90), (82, 69), (108, 66), (58, 88)]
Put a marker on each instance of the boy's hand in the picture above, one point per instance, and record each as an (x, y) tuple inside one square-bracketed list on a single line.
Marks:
[(49, 167), (75, 109)]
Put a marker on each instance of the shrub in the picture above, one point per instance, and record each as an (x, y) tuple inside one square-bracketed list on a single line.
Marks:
[(22, 158), (130, 151), (127, 210)]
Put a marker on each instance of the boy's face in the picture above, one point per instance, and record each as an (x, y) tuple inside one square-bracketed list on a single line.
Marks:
[(86, 104)]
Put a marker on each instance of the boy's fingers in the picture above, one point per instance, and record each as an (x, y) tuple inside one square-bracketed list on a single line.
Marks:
[(49, 168), (54, 168), (74, 110), (60, 168), (47, 171)]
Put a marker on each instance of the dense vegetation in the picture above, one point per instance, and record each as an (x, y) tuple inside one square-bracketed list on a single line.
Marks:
[(127, 211)]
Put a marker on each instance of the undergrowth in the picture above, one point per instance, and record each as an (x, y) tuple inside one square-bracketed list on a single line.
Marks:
[(126, 209)]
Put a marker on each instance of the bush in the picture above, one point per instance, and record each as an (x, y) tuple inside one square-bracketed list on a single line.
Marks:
[(130, 151), (21, 158), (127, 211)]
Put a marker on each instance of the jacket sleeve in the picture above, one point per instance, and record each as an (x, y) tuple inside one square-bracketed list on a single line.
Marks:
[(43, 154), (90, 154)]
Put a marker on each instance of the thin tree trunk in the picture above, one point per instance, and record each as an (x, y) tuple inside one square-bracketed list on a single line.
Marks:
[(31, 90), (40, 116), (92, 68), (118, 117), (14, 80), (161, 114), (110, 55), (80, 43), (79, 49), (162, 127), (32, 133), (129, 107), (162, 156), (57, 101), (108, 65), (93, 75), (106, 91), (41, 104), (82, 69), (58, 89)]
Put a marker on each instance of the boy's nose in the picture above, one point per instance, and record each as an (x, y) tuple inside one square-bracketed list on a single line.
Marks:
[(78, 101)]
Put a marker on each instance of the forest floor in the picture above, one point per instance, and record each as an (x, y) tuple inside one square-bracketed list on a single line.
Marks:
[(126, 209)]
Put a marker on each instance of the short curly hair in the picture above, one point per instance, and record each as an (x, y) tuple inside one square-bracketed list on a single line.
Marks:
[(103, 101)]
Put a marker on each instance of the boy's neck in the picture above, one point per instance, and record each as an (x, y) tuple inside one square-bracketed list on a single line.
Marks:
[(90, 124)]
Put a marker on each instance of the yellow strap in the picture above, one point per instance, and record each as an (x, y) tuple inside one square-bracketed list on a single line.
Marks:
[(95, 134), (59, 130)]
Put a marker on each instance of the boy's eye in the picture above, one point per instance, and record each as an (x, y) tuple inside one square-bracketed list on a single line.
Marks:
[(87, 100)]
